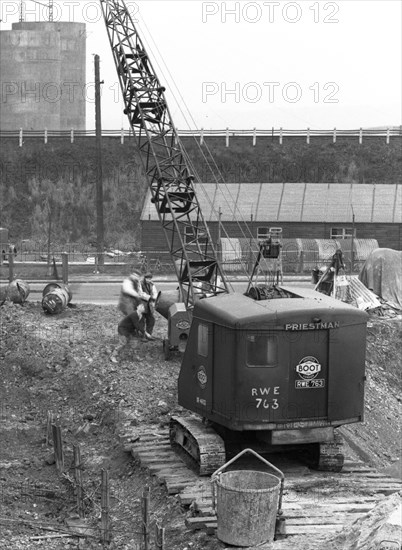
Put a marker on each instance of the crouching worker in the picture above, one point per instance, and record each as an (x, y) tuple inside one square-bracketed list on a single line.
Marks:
[(151, 294)]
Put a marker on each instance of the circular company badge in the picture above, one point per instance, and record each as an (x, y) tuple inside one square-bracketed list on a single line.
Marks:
[(202, 377), (308, 367), (183, 325)]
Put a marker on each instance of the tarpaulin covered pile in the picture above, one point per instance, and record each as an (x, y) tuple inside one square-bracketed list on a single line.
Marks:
[(382, 273)]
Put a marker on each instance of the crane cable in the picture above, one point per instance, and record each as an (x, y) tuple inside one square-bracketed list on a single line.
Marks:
[(250, 238)]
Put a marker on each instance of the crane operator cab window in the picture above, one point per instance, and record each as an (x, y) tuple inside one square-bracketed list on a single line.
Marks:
[(203, 340), (262, 350)]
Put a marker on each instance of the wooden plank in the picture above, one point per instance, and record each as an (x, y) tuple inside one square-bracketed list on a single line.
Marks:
[(170, 462), (329, 508), (371, 475), (356, 469), (341, 519), (153, 447), (171, 478), (163, 452), (200, 522), (143, 457), (155, 467), (293, 530), (361, 499), (176, 487), (168, 478)]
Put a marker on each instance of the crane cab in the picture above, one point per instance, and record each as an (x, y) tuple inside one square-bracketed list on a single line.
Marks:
[(291, 368)]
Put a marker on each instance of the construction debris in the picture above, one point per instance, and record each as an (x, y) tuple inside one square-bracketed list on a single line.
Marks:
[(17, 292), (382, 274), (379, 529)]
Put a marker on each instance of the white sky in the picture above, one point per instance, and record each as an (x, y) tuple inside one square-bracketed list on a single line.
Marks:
[(338, 64)]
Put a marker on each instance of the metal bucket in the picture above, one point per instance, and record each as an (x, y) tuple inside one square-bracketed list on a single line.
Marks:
[(18, 291), (248, 504), (55, 298)]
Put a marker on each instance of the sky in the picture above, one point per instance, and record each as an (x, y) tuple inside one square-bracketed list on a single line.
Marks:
[(244, 65)]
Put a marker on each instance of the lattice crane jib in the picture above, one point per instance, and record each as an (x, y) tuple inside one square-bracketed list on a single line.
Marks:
[(169, 177)]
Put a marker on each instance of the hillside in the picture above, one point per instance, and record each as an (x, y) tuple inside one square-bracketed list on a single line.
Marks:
[(71, 171)]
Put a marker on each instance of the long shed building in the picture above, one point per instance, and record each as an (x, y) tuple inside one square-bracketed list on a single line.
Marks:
[(302, 211)]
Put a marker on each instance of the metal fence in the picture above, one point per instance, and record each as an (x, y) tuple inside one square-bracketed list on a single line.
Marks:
[(72, 135), (237, 255)]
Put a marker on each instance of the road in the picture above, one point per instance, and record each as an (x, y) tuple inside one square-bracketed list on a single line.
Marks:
[(107, 293)]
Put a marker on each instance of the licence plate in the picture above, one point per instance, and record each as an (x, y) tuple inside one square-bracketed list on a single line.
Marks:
[(317, 383)]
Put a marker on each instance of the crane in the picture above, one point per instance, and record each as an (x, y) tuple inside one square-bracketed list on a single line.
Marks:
[(270, 369)]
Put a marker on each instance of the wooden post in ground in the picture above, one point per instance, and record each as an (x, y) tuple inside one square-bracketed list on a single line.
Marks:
[(145, 516), (160, 537), (78, 479), (49, 432), (64, 267), (10, 266), (105, 498), (58, 447)]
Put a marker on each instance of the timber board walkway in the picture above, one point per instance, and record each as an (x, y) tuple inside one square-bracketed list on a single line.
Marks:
[(315, 504)]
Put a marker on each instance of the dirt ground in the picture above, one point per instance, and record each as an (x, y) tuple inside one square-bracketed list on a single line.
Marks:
[(64, 364)]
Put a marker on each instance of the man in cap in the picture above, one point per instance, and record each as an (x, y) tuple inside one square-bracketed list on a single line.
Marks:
[(136, 301)]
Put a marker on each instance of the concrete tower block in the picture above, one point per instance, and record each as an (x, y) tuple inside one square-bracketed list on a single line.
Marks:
[(42, 76)]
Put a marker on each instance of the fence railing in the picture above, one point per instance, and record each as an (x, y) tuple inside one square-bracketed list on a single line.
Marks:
[(160, 263), (200, 134)]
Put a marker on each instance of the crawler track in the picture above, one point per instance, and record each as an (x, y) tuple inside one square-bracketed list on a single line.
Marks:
[(314, 504), (196, 444)]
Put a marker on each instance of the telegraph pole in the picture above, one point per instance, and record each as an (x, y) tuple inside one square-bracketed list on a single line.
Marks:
[(99, 178), (352, 252)]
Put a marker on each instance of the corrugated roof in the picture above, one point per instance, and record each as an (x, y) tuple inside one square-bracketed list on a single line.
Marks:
[(296, 202), (292, 203), (362, 197)]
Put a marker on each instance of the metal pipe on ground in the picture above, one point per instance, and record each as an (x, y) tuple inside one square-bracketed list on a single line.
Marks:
[(55, 298)]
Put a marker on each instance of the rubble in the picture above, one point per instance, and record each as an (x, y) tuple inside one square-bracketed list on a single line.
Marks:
[(380, 529)]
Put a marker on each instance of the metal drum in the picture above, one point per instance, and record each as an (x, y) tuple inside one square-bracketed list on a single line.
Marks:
[(55, 298)]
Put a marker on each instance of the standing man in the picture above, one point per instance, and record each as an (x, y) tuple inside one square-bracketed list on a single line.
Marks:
[(150, 291), (132, 305), (137, 300)]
